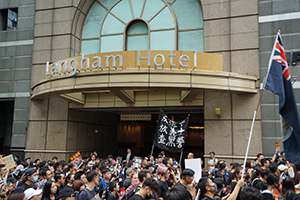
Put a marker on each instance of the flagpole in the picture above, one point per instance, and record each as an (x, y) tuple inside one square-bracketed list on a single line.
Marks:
[(152, 150), (180, 157), (255, 112)]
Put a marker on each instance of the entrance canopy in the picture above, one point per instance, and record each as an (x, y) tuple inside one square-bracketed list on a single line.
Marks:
[(131, 76)]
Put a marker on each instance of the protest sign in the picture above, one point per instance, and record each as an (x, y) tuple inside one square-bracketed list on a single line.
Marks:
[(8, 161), (76, 159), (277, 144), (194, 164)]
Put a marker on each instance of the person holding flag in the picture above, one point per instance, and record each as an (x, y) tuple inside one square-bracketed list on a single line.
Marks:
[(278, 80)]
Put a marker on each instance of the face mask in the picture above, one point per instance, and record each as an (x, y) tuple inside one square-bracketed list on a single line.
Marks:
[(215, 187), (148, 196), (152, 169), (112, 169), (35, 179)]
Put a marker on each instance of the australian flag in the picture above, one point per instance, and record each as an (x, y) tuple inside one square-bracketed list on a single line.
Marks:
[(278, 80), (170, 135)]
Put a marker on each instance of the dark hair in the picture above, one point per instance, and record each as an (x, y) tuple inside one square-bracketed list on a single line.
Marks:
[(258, 155), (143, 174), (77, 184), (71, 165), (56, 165), (222, 166), (298, 166), (16, 196), (91, 175), (68, 178), (177, 193), (263, 161), (202, 186), (44, 171), (273, 167), (47, 190), (272, 178), (212, 153), (205, 174), (248, 164), (236, 172), (251, 193), (130, 163), (57, 176), (235, 165), (264, 172), (288, 184), (187, 173), (151, 183), (112, 185), (78, 175)]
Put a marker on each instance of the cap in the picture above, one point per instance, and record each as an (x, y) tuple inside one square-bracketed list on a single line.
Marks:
[(219, 182), (162, 169), (18, 169), (149, 165), (282, 167), (19, 189), (65, 192), (29, 172), (2, 165), (11, 179), (42, 164), (27, 158), (30, 192)]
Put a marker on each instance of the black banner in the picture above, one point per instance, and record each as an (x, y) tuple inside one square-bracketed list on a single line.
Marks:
[(170, 135)]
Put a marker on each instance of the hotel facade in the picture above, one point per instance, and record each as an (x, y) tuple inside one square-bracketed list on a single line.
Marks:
[(85, 75)]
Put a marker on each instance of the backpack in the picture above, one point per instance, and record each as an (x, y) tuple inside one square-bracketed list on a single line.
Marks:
[(87, 194), (129, 193), (99, 188)]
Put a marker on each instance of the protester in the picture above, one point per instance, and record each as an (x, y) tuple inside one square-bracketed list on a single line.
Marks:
[(32, 194), (89, 192), (149, 188), (49, 191), (212, 162), (59, 179)]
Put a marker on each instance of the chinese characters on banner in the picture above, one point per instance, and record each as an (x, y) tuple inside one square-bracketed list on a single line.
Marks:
[(170, 135), (8, 161)]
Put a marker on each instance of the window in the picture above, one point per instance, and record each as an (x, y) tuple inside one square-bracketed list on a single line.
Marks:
[(137, 36), (8, 19), (128, 25)]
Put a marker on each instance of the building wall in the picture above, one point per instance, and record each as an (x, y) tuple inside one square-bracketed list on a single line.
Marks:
[(275, 15), (15, 69), (231, 28)]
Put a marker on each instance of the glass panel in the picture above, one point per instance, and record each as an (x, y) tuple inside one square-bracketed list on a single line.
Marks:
[(162, 40), (122, 10), (137, 42), (151, 8), (90, 46), (163, 20), (111, 43), (188, 13), (92, 23), (112, 25), (108, 3), (190, 40), (137, 6), (137, 27)]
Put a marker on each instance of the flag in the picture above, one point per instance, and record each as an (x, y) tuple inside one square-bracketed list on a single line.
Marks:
[(170, 135), (278, 80)]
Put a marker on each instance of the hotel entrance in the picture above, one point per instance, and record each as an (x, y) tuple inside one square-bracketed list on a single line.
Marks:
[(114, 135)]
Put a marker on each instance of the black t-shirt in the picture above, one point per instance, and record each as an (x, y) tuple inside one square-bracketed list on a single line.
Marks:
[(233, 184), (187, 193), (206, 198), (26, 186), (112, 197), (163, 188), (136, 197)]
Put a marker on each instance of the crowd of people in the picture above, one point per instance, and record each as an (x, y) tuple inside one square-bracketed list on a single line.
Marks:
[(155, 178)]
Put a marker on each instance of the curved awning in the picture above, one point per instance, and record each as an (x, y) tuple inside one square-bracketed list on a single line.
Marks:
[(123, 73)]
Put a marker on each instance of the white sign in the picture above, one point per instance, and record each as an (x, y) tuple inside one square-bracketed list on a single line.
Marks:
[(194, 164)]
